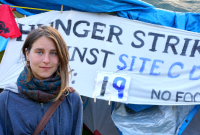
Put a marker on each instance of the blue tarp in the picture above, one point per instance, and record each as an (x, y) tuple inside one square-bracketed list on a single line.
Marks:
[(3, 43), (138, 108), (82, 5), (132, 9)]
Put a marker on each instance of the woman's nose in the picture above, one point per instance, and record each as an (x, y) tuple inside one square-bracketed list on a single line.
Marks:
[(46, 59)]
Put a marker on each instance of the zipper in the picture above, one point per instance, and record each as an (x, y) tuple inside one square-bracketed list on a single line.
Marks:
[(42, 107)]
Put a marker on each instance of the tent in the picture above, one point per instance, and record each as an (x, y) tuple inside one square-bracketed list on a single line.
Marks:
[(135, 10)]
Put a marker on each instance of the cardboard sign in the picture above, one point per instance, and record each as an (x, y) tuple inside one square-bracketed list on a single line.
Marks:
[(112, 86)]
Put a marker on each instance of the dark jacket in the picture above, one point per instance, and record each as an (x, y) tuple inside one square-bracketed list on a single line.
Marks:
[(20, 115)]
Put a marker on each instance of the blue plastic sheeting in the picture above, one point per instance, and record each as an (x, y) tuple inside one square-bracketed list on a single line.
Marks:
[(150, 15), (184, 21), (188, 119), (24, 12), (138, 108), (82, 5), (131, 9), (3, 43)]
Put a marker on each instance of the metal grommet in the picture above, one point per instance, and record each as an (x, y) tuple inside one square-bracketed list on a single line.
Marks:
[(67, 93)]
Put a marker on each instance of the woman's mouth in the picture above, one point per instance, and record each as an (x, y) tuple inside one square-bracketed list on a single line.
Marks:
[(46, 68)]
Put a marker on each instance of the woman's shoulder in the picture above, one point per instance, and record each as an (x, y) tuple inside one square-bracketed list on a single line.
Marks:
[(3, 95), (74, 98), (11, 92), (74, 94)]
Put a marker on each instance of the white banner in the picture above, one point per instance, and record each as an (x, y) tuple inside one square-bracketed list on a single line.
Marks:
[(163, 63)]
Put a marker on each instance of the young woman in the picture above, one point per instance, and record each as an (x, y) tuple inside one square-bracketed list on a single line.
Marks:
[(43, 81)]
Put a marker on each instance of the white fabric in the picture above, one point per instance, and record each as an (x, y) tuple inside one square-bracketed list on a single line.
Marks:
[(12, 87), (120, 44)]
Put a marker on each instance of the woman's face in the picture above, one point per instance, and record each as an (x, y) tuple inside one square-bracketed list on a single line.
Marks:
[(43, 58)]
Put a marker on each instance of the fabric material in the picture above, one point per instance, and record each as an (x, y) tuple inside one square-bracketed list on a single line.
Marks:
[(39, 90), (138, 108), (178, 20), (155, 120), (8, 26), (3, 43), (193, 127), (48, 115), (96, 132), (13, 9), (67, 119), (132, 9), (97, 116), (81, 5), (184, 128), (20, 10)]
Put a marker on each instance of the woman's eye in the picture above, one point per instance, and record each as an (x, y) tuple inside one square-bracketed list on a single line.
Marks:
[(39, 52), (53, 53)]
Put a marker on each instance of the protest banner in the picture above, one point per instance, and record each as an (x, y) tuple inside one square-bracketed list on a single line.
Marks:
[(161, 63)]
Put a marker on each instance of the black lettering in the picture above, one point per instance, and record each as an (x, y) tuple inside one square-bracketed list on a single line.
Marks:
[(51, 24), (187, 40), (156, 94), (172, 45), (112, 33), (156, 35), (94, 36), (66, 30), (24, 31), (39, 25), (177, 95), (190, 95), (195, 47), (86, 31), (68, 47), (197, 93), (81, 56), (106, 55), (103, 88), (95, 57), (142, 42), (162, 96)]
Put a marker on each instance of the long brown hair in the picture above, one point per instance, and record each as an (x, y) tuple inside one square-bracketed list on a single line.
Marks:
[(62, 49)]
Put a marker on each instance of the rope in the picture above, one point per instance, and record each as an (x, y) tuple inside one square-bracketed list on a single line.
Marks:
[(30, 8)]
